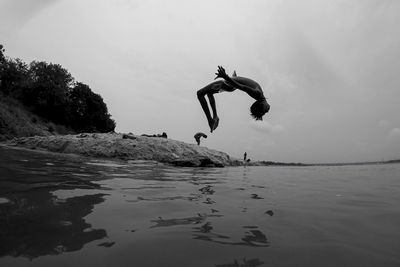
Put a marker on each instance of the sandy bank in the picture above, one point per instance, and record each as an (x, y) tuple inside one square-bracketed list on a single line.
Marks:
[(128, 147)]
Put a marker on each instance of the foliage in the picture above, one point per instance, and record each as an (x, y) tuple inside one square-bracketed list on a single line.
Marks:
[(50, 91), (17, 121), (2, 58), (88, 110), (13, 76)]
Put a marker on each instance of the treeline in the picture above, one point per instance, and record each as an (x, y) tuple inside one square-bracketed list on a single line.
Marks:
[(51, 92)]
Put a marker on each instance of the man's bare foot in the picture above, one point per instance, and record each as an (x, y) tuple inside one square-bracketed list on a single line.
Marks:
[(211, 124), (215, 123)]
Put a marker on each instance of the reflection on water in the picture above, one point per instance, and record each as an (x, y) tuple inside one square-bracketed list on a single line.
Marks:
[(63, 210), (35, 224), (160, 222), (254, 238), (243, 263)]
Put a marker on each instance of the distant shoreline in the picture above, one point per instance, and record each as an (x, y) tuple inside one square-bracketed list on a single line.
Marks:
[(299, 164), (358, 163)]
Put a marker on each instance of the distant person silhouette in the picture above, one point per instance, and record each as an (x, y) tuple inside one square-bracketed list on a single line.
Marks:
[(198, 135), (230, 84), (245, 156)]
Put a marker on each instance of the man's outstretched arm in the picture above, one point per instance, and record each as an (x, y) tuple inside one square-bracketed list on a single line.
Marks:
[(249, 90)]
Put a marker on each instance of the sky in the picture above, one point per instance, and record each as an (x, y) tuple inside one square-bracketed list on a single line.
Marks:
[(329, 69)]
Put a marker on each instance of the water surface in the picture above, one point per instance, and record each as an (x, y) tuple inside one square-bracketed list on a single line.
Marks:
[(58, 210)]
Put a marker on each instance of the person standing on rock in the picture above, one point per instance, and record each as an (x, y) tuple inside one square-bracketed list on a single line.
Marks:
[(230, 84), (197, 137)]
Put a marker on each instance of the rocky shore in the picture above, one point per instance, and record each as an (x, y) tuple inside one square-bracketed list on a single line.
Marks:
[(128, 147)]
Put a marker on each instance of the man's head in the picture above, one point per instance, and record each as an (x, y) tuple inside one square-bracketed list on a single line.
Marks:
[(258, 109)]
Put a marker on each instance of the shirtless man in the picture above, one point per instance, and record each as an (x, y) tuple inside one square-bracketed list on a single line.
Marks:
[(230, 84), (198, 136)]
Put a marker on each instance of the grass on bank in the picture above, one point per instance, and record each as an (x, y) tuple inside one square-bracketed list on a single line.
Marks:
[(17, 121)]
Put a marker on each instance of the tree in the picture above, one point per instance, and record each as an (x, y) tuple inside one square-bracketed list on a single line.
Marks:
[(48, 93), (2, 57), (14, 77), (12, 73), (88, 111)]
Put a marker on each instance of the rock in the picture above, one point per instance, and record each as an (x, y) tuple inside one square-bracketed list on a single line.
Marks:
[(82, 135), (128, 147)]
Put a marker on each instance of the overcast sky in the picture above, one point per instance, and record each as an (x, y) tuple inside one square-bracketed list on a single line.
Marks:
[(330, 69)]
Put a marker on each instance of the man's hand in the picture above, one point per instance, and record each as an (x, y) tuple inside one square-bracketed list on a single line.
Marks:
[(221, 73)]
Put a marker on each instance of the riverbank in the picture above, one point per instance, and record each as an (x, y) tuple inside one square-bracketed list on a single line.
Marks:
[(128, 147), (152, 148)]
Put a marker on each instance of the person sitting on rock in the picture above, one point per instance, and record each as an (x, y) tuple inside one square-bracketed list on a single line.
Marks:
[(230, 84), (198, 135), (163, 135)]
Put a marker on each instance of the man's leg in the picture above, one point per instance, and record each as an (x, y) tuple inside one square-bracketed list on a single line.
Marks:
[(209, 90), (215, 119)]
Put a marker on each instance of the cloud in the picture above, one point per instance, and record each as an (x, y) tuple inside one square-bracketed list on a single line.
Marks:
[(395, 133), (383, 123), (266, 127)]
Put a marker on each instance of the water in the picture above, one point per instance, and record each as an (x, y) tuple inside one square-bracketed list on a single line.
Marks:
[(70, 211)]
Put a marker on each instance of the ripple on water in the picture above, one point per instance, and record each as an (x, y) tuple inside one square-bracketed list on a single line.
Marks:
[(4, 200)]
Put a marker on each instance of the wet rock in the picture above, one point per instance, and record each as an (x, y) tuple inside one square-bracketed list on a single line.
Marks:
[(82, 135)]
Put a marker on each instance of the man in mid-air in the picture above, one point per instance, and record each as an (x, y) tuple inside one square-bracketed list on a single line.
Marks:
[(230, 84)]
